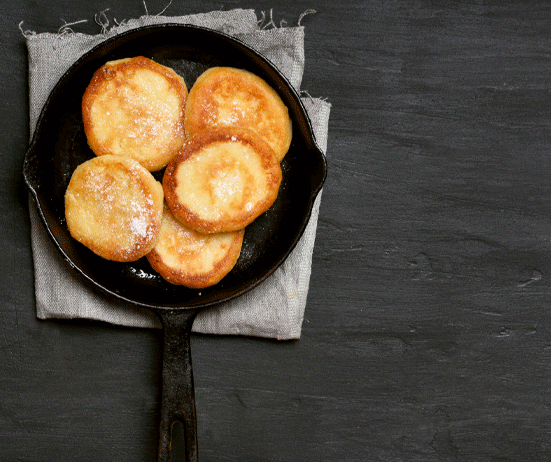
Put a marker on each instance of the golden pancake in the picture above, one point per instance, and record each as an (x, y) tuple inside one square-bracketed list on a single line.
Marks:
[(135, 107), (114, 207), (225, 96), (221, 180), (185, 257)]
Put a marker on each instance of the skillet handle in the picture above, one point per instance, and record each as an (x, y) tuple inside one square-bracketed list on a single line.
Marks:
[(178, 394)]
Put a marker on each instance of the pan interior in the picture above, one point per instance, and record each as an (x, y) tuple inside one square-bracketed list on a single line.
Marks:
[(59, 145)]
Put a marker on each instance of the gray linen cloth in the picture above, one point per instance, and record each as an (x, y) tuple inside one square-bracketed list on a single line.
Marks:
[(275, 309)]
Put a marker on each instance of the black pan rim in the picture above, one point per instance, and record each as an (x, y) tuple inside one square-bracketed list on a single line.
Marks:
[(128, 35)]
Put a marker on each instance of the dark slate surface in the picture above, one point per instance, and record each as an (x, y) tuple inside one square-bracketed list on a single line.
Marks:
[(427, 334)]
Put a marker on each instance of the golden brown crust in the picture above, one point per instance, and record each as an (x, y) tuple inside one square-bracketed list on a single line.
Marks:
[(224, 96), (134, 107), (114, 207), (221, 180), (185, 257)]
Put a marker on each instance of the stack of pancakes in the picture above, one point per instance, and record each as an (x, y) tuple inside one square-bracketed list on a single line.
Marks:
[(220, 144)]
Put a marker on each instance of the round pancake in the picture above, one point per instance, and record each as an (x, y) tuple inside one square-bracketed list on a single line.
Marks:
[(221, 180), (134, 107), (225, 96), (114, 207), (185, 257)]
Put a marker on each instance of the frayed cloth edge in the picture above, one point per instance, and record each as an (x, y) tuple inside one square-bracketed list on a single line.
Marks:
[(264, 22)]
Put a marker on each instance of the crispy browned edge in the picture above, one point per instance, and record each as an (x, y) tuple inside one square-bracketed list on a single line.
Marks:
[(194, 120), (142, 245), (106, 72), (199, 281), (193, 145)]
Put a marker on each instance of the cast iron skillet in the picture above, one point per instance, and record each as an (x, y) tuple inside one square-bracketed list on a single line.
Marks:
[(59, 145)]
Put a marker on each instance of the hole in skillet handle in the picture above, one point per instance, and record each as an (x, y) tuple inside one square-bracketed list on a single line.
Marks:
[(59, 145)]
